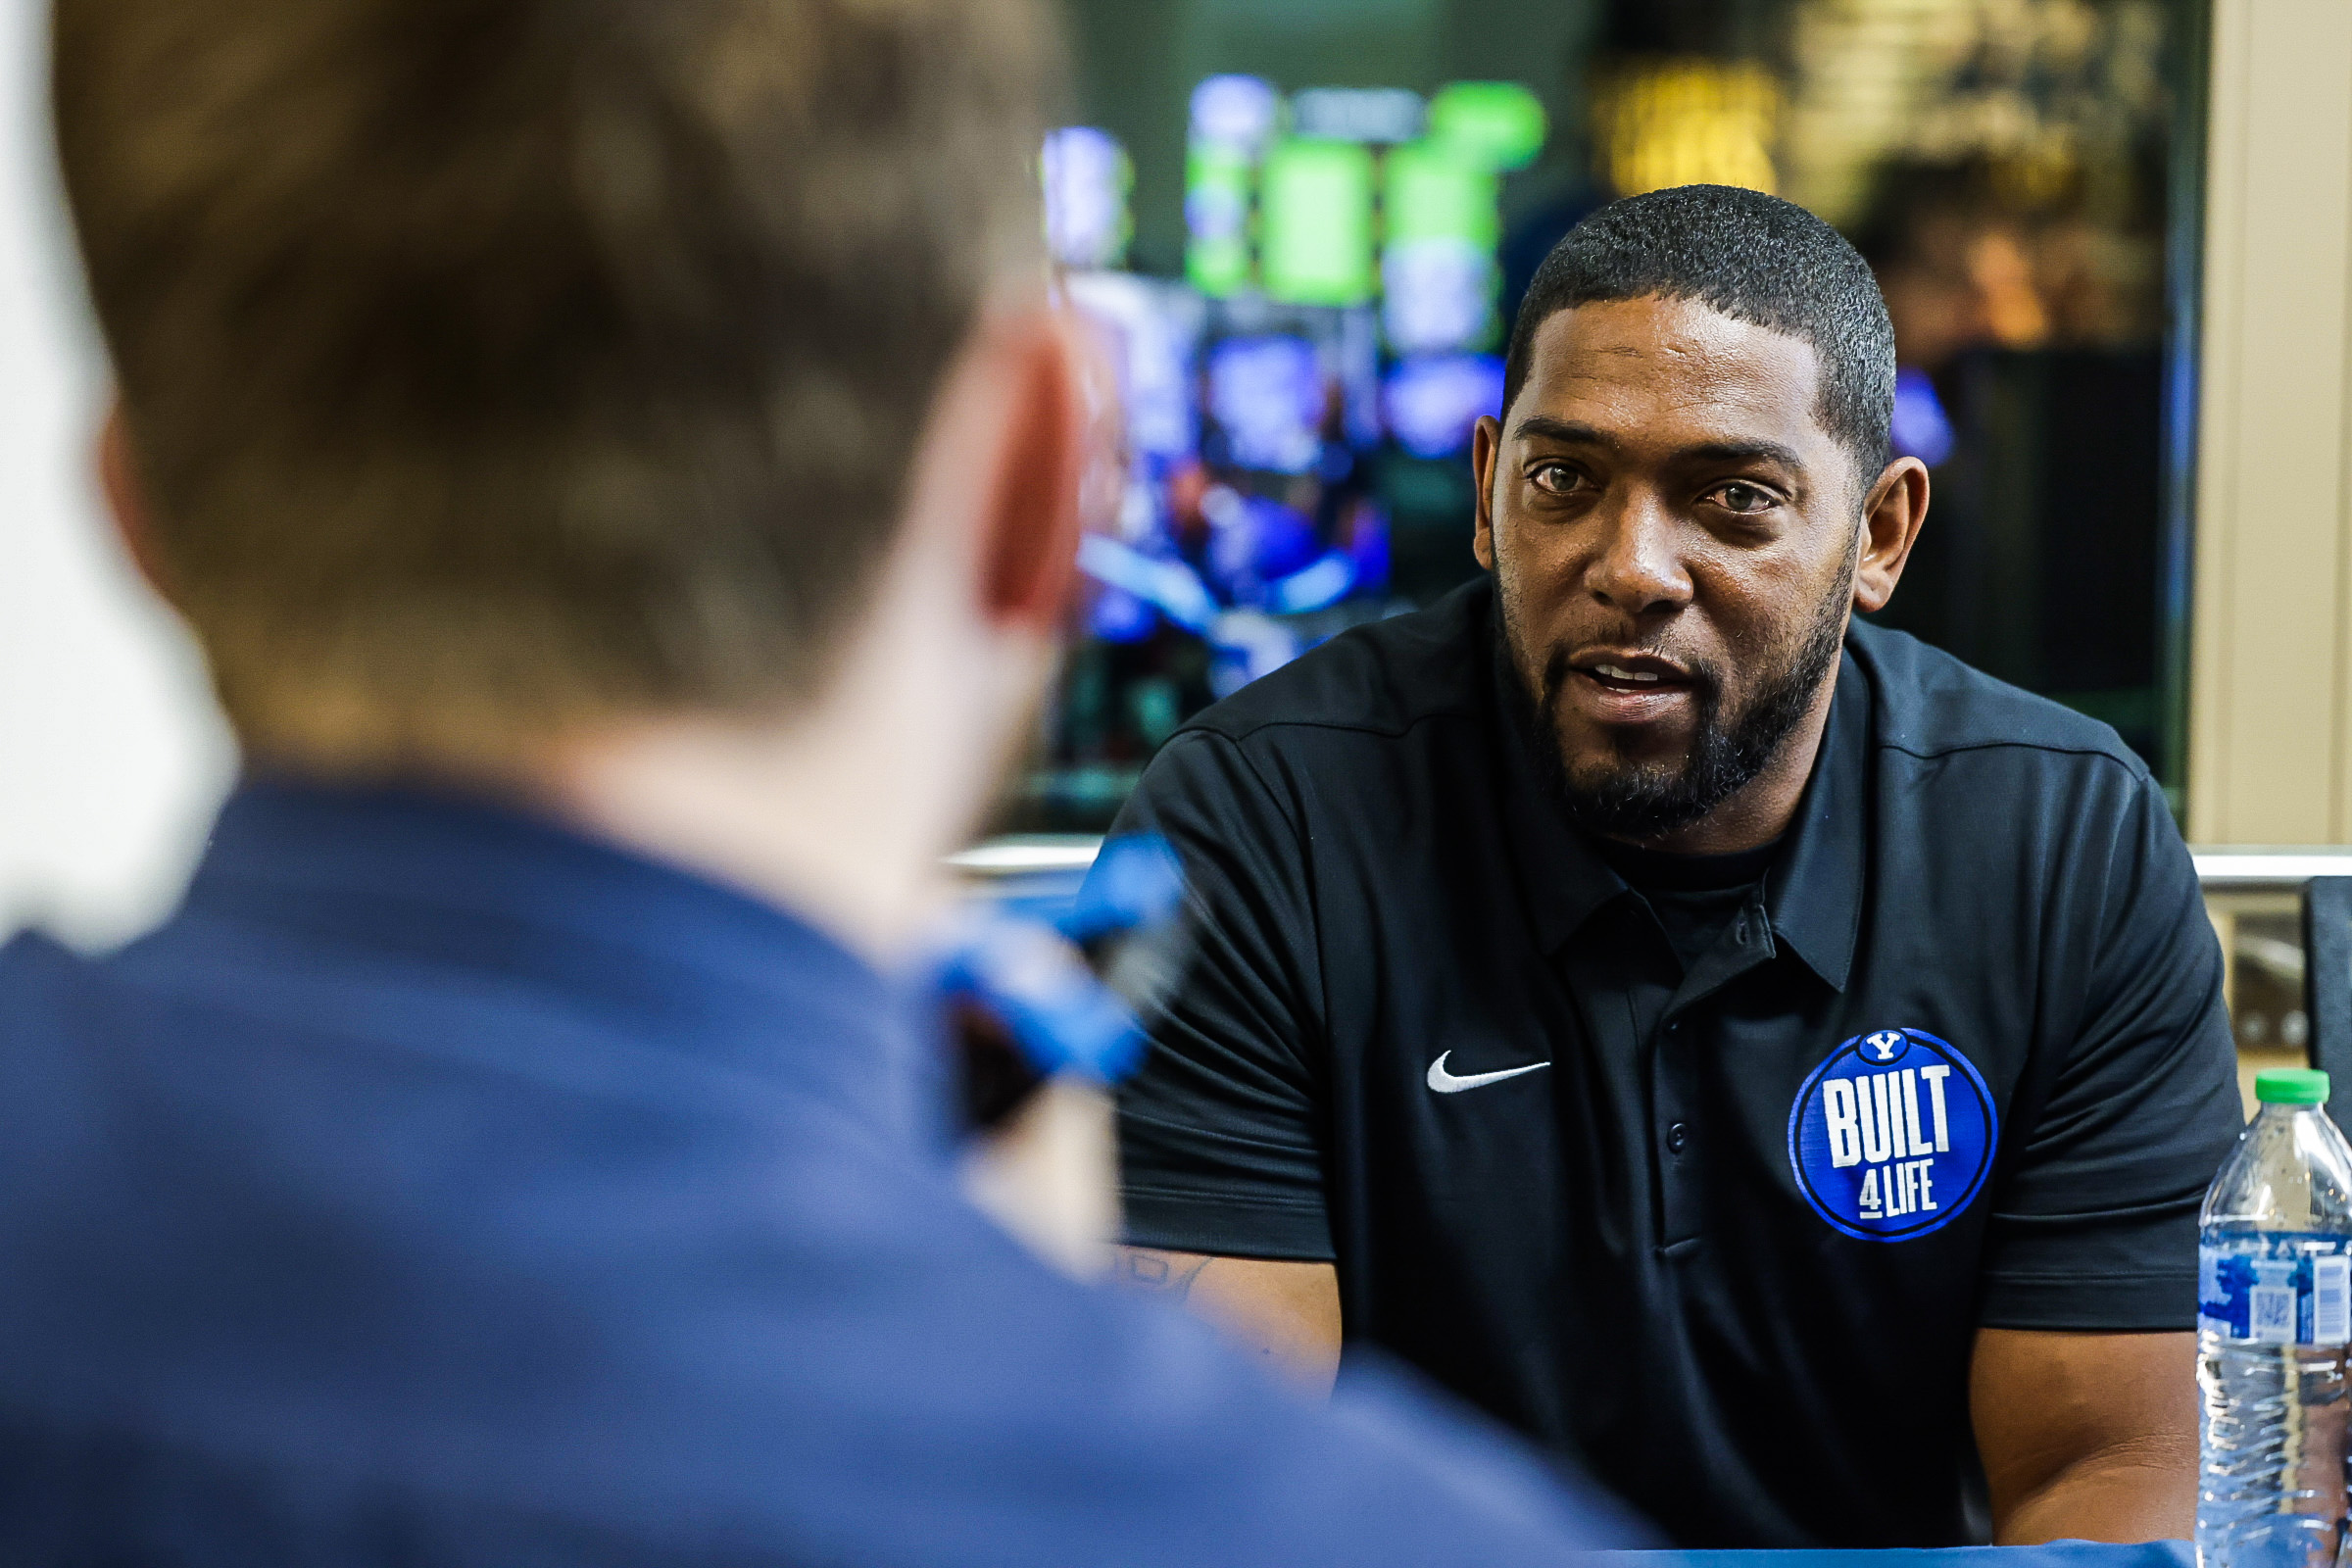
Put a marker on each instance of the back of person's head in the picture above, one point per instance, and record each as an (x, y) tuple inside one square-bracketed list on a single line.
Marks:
[(1751, 257), (494, 366)]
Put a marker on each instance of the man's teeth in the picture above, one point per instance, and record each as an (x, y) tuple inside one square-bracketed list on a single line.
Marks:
[(1616, 673)]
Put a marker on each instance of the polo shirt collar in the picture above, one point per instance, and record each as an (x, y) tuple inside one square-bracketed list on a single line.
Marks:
[(1813, 893), (1813, 890), (447, 888)]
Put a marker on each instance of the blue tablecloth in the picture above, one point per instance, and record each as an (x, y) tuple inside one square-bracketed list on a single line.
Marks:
[(2057, 1554)]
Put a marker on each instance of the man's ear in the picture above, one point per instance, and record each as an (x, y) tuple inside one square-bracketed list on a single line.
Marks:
[(1892, 515), (1029, 529), (1485, 444), (126, 498)]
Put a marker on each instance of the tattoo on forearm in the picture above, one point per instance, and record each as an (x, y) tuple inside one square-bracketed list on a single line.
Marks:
[(1166, 1273)]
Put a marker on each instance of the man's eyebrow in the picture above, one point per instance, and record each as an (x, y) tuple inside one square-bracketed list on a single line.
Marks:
[(1568, 433), (1742, 452)]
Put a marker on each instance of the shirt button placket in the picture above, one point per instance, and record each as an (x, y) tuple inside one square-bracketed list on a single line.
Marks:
[(1677, 1180)]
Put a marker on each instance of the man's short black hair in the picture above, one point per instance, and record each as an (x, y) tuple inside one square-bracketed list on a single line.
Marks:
[(1754, 257)]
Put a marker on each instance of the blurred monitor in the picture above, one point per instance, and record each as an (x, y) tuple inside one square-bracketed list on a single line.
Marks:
[(1315, 222), (1237, 112), (1154, 329), (1432, 399), (1232, 119), (1266, 395), (1439, 272), (1086, 178), (1439, 295), (1358, 113), (1495, 124)]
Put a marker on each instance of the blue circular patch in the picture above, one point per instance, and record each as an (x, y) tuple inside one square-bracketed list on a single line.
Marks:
[(1892, 1136)]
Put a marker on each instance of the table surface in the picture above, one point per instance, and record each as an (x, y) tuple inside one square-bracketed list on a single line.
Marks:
[(2057, 1554)]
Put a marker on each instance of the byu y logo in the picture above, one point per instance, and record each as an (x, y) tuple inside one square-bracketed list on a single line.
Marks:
[(1893, 1135)]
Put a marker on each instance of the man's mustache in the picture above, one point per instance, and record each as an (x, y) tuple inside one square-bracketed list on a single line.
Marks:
[(1705, 678)]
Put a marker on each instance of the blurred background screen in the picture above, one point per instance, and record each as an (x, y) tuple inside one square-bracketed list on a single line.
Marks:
[(1305, 225)]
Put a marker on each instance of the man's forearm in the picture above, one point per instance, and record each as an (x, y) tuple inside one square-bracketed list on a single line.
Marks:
[(1288, 1315), (2085, 1436), (2121, 1497)]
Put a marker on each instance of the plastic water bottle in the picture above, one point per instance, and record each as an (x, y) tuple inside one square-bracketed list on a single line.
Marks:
[(2274, 1316)]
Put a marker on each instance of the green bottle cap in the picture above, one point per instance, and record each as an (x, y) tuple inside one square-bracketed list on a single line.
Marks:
[(2292, 1085)]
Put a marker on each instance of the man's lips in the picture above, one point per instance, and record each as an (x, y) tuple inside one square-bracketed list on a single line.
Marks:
[(1626, 688)]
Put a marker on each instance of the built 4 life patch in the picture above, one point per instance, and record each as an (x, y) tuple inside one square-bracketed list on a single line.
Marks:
[(1892, 1136)]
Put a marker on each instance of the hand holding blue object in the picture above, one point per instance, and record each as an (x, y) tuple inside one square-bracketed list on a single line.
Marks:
[(1036, 992)]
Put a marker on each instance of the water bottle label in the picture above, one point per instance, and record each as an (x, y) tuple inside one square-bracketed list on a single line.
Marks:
[(2278, 1288)]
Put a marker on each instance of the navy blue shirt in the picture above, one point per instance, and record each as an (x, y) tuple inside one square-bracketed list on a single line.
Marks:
[(439, 1187)]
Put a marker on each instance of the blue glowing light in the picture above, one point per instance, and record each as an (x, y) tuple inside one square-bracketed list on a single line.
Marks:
[(1236, 112), (1266, 393), (1922, 430), (1169, 586), (1433, 401), (1086, 178)]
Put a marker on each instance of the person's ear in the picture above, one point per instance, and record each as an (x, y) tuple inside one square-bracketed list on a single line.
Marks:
[(1033, 517), (126, 498), (1892, 515), (1485, 444)]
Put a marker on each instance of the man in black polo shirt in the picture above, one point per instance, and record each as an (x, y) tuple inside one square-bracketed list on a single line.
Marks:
[(1750, 1052)]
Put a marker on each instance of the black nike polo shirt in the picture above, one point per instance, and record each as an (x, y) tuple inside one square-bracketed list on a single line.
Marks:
[(1724, 1234)]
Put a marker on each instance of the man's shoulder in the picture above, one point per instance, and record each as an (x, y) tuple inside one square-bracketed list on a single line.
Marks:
[(1931, 705), (1379, 679), (32, 962), (43, 985), (814, 1341)]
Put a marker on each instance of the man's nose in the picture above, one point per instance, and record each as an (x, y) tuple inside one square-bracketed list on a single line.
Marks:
[(1637, 569)]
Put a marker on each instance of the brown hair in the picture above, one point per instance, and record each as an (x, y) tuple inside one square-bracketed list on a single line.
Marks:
[(495, 365)]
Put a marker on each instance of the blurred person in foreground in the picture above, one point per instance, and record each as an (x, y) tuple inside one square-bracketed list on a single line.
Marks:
[(621, 465)]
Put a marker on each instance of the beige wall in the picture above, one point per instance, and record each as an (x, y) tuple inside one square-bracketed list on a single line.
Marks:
[(2271, 655)]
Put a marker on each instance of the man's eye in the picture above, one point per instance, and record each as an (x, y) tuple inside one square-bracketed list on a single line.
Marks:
[(1744, 498), (1556, 479)]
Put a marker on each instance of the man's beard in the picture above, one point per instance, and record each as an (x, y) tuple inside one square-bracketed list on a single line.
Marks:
[(1643, 801)]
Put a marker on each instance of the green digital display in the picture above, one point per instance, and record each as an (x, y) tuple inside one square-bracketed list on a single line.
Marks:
[(1315, 222), (1495, 124), (1434, 192), (1217, 200)]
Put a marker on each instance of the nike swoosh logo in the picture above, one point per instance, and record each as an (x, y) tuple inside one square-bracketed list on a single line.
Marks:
[(1445, 1083)]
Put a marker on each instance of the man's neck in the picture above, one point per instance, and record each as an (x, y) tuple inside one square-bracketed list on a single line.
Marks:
[(786, 816), (841, 806)]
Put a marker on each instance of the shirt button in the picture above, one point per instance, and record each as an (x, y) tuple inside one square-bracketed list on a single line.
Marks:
[(1676, 1136)]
